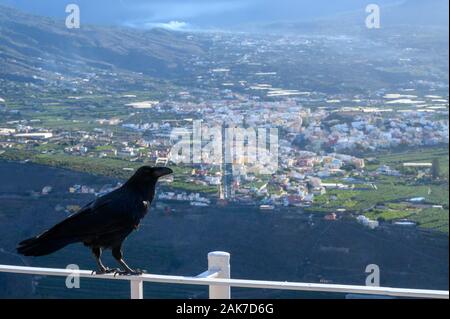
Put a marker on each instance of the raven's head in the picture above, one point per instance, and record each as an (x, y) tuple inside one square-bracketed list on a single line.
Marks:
[(147, 173), (147, 176)]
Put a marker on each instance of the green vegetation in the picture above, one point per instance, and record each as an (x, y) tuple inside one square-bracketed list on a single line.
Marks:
[(97, 166), (193, 188), (421, 155), (388, 201), (393, 192), (390, 214), (103, 148), (109, 167), (435, 219)]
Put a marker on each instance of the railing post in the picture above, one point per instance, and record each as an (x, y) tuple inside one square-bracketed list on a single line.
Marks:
[(137, 289), (219, 262)]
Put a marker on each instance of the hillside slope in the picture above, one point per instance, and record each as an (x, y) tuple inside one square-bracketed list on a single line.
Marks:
[(29, 44)]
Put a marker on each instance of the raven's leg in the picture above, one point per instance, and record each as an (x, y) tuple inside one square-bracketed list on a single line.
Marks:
[(101, 267), (117, 254)]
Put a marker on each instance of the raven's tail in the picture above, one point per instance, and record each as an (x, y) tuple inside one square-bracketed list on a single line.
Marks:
[(42, 245)]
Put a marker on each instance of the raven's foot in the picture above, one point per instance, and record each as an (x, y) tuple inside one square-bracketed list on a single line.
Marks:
[(130, 272), (105, 271)]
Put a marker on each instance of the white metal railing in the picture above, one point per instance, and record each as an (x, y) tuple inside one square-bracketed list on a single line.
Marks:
[(218, 278)]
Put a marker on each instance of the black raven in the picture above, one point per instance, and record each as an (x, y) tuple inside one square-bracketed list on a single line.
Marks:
[(104, 223)]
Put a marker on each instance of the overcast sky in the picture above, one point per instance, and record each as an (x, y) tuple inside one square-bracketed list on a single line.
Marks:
[(199, 13)]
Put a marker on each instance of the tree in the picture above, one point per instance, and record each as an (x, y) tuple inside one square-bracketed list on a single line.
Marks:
[(436, 169)]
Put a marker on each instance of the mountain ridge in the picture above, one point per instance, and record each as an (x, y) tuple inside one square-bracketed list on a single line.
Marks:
[(412, 14), (27, 40)]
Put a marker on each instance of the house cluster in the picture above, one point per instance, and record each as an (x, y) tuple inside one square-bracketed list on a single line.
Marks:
[(312, 141), (195, 199), (24, 132), (371, 131), (85, 189), (81, 189), (301, 176)]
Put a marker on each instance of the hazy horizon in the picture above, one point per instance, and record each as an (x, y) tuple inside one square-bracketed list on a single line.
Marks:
[(176, 14)]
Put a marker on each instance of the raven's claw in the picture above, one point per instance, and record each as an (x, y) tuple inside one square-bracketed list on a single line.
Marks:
[(136, 272), (104, 271)]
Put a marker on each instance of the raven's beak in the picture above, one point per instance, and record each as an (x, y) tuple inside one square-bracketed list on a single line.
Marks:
[(163, 171)]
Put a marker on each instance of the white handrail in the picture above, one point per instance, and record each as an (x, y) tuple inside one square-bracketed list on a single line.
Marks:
[(219, 282)]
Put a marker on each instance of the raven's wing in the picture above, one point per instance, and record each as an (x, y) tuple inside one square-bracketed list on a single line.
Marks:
[(106, 215)]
